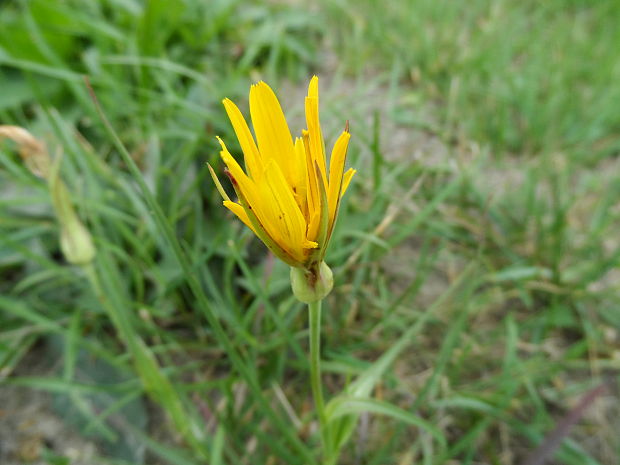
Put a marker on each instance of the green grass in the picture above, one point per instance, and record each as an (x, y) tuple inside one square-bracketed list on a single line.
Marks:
[(475, 257), (520, 76)]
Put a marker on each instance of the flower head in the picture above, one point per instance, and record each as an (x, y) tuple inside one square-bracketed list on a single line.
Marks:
[(286, 195)]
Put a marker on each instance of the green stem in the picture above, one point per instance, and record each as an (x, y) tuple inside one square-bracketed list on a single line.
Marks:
[(314, 309)]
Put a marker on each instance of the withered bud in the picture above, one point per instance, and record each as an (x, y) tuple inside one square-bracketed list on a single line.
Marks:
[(33, 151)]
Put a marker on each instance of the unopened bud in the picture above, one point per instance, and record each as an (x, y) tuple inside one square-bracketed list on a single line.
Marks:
[(312, 285), (76, 243)]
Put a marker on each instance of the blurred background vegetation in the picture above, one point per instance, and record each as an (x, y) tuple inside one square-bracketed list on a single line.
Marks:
[(478, 245)]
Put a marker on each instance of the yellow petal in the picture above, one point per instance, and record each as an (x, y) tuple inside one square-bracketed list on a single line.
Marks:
[(300, 189), (289, 218), (298, 167), (276, 224), (257, 221), (250, 151), (238, 177), (336, 170), (310, 244), (238, 210), (272, 132), (324, 226), (247, 188), (317, 146), (311, 180), (313, 87), (261, 199), (313, 225), (346, 179)]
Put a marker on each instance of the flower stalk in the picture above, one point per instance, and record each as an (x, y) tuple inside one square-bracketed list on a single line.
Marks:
[(314, 315)]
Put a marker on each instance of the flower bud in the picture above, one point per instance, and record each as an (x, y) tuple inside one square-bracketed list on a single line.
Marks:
[(76, 243), (312, 285)]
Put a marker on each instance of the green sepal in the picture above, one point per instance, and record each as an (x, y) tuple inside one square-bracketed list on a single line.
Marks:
[(312, 285)]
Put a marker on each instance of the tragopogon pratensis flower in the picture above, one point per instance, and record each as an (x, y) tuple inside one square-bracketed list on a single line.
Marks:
[(286, 196)]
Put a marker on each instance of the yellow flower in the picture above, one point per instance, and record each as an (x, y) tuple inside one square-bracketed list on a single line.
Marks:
[(288, 197)]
